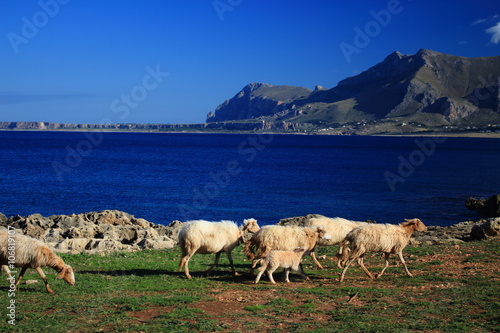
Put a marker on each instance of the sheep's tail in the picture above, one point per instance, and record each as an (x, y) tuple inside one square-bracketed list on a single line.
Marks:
[(249, 250)]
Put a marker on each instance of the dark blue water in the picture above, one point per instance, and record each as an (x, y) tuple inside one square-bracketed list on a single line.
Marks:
[(163, 177)]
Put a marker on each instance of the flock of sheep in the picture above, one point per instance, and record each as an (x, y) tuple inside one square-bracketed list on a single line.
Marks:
[(274, 246)]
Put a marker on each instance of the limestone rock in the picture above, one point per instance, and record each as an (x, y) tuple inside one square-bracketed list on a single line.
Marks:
[(489, 229), (95, 232), (298, 220)]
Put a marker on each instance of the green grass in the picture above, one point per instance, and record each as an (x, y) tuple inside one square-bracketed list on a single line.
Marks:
[(142, 291)]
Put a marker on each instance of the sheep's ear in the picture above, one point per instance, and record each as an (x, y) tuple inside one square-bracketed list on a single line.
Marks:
[(63, 272)]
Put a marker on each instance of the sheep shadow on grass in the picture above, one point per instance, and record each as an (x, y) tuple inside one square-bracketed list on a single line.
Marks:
[(222, 271), (123, 272)]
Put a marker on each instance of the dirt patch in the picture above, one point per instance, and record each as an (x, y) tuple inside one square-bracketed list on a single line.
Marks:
[(148, 314)]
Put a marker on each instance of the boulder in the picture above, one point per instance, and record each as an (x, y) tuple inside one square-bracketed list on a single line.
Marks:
[(71, 245), (490, 228), (486, 207), (149, 244), (105, 245), (171, 231), (53, 235)]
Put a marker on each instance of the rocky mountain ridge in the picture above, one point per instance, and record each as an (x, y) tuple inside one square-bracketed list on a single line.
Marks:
[(428, 88), (404, 94)]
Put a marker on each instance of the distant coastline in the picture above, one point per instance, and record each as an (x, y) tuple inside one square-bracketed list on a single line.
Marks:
[(243, 127)]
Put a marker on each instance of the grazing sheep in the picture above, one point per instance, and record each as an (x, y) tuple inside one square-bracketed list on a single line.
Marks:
[(285, 238), (32, 253), (285, 259), (337, 227), (386, 238), (206, 237)]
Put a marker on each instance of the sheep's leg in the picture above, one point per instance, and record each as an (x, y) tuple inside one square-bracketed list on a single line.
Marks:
[(301, 272), (400, 255), (44, 278), (361, 263), (286, 273), (23, 270), (339, 261), (217, 257), (262, 269), (270, 274), (185, 263), (7, 271), (254, 264), (342, 256), (184, 260), (230, 257), (346, 266), (313, 256), (386, 257), (182, 263)]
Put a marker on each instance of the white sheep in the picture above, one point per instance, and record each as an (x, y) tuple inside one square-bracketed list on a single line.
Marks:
[(337, 228), (285, 259), (386, 238), (206, 237), (285, 238), (32, 253)]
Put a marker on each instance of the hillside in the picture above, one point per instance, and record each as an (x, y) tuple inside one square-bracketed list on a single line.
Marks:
[(428, 89)]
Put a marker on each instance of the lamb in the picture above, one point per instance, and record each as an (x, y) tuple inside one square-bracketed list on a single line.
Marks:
[(211, 237), (32, 253), (285, 259), (337, 227), (285, 238), (386, 238)]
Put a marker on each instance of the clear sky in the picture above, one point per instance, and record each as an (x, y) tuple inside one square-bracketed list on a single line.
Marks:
[(173, 61)]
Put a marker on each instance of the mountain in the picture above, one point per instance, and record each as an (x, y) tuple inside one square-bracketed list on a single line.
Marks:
[(256, 100), (429, 88)]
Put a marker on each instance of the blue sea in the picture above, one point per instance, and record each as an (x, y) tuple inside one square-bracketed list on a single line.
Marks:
[(163, 177)]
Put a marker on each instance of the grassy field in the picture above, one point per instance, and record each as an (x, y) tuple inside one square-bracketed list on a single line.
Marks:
[(455, 289)]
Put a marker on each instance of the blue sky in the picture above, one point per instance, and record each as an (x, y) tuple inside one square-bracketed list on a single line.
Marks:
[(88, 61)]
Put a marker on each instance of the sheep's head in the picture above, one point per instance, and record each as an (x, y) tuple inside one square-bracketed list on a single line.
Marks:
[(250, 225), (67, 275), (419, 225), (249, 228)]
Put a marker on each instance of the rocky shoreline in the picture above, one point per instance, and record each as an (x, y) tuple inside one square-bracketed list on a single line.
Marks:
[(111, 230)]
